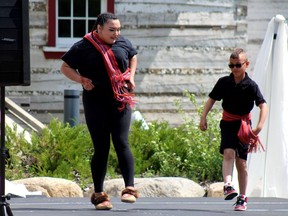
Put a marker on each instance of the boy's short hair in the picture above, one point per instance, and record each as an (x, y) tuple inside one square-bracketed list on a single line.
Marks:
[(236, 53)]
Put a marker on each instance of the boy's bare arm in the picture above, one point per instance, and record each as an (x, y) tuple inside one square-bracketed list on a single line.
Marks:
[(262, 117), (208, 106)]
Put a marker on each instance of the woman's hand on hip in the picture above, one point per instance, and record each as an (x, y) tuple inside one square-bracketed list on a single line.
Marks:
[(86, 83)]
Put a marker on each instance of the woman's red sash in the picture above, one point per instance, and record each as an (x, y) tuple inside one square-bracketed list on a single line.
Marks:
[(117, 78)]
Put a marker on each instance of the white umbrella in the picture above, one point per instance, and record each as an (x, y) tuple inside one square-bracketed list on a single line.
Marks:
[(268, 171)]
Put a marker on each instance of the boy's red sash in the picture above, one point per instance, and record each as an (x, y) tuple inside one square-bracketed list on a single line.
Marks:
[(245, 133)]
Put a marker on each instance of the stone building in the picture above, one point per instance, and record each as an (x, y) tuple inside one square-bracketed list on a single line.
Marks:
[(182, 45)]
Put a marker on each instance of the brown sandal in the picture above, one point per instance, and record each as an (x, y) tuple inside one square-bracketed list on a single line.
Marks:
[(101, 201), (129, 195)]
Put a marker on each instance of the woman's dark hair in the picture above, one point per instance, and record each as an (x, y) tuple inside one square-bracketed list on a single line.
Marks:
[(103, 18)]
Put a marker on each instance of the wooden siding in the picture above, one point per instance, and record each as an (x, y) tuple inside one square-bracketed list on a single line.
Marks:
[(259, 14), (182, 45)]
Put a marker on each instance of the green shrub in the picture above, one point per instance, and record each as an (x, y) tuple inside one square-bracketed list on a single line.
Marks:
[(180, 151), (65, 152), (17, 145), (58, 151)]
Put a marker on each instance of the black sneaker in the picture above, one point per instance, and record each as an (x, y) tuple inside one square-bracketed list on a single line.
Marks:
[(229, 192), (241, 203)]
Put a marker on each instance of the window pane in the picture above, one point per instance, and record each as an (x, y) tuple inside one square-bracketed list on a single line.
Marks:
[(79, 28), (79, 8), (90, 25), (64, 8), (94, 8), (64, 28)]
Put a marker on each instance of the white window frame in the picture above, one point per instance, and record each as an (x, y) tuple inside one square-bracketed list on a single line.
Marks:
[(65, 42)]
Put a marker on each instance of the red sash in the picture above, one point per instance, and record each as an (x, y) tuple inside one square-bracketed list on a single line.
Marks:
[(245, 133), (117, 78)]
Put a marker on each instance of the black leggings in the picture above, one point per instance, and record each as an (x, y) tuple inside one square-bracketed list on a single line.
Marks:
[(104, 119)]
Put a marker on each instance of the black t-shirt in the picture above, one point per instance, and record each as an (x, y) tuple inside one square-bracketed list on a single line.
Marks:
[(238, 98), (84, 57), (123, 51)]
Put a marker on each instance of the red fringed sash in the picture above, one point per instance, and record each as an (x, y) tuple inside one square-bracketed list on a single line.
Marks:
[(245, 133), (117, 78)]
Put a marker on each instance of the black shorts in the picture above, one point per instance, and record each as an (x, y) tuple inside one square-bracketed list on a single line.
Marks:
[(229, 138)]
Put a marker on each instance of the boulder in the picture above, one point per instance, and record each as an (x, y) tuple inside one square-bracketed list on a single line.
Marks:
[(155, 187), (52, 187), (215, 190)]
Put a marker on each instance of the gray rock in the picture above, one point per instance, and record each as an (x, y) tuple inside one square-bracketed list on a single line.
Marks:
[(52, 187), (215, 189), (155, 187)]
